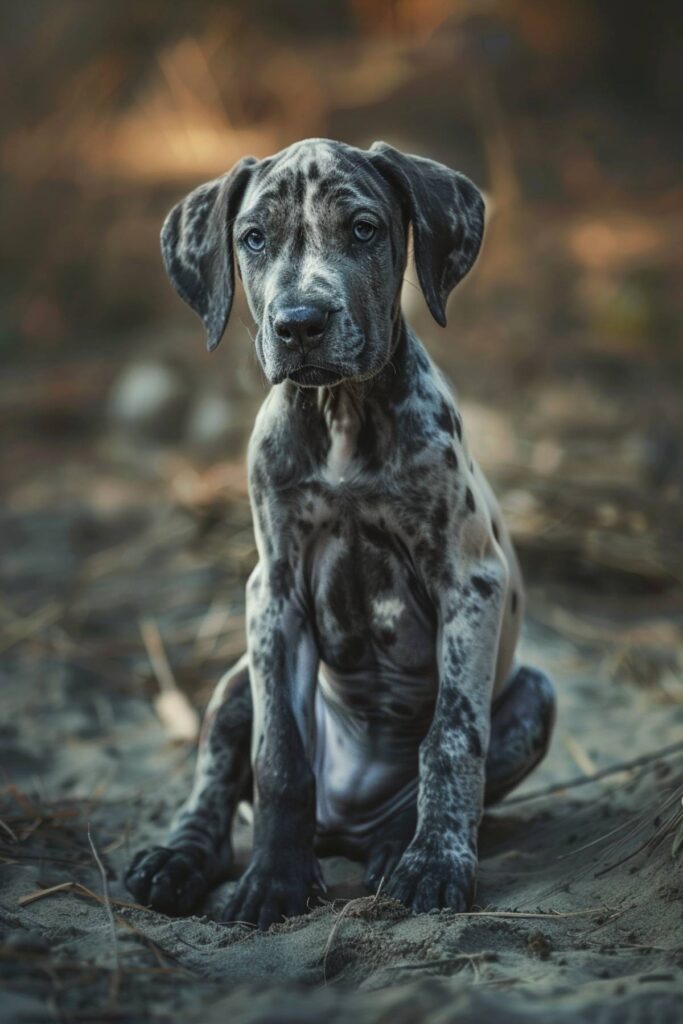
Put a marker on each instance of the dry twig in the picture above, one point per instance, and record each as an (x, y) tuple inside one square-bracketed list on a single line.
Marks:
[(645, 760)]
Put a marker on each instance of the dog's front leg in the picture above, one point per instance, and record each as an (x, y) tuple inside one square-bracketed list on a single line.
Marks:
[(283, 670), (438, 868)]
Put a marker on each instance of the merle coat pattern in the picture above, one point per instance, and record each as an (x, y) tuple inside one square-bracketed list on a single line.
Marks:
[(379, 697)]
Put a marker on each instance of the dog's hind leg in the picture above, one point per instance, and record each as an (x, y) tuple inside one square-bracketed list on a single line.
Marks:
[(176, 877), (387, 849), (522, 720)]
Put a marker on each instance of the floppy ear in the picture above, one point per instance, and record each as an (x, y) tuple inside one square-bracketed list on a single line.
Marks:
[(196, 244), (447, 214)]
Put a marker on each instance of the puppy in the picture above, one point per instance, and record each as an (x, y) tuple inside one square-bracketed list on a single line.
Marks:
[(379, 705)]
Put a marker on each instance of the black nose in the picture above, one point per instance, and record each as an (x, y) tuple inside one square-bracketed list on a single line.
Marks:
[(301, 327)]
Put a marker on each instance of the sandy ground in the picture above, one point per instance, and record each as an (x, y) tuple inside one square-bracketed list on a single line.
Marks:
[(578, 913)]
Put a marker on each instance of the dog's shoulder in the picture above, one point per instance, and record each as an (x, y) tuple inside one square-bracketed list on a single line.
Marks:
[(429, 423)]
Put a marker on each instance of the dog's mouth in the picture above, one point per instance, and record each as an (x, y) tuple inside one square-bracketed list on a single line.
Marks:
[(311, 376)]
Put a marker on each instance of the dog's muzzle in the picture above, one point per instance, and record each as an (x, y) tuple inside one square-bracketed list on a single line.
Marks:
[(301, 328)]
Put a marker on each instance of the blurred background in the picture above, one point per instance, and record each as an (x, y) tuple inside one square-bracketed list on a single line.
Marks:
[(125, 530), (123, 441)]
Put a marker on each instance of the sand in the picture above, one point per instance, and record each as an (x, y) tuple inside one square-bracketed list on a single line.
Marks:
[(578, 914)]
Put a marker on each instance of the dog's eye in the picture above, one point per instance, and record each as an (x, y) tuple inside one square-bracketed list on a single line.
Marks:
[(363, 230), (255, 240)]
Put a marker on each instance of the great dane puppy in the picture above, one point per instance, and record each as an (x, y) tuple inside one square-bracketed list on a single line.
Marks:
[(378, 705)]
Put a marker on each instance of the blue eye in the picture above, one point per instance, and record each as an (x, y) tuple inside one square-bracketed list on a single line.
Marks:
[(363, 230), (255, 240)]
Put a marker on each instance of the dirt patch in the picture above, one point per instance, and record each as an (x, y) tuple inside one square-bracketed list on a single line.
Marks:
[(579, 901)]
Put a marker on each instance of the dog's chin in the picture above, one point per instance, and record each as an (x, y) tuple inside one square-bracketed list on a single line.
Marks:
[(315, 376)]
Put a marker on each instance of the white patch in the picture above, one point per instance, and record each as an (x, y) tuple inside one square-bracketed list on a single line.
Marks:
[(387, 611), (343, 424)]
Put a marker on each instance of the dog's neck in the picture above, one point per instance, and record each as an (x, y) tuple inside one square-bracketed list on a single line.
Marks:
[(357, 415), (383, 390)]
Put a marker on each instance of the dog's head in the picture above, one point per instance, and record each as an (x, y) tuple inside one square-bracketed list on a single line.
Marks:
[(319, 232)]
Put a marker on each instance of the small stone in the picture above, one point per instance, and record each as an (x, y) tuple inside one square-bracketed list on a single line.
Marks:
[(539, 945), (150, 399), (218, 423)]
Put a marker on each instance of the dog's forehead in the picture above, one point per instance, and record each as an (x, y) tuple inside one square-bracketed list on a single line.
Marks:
[(312, 171)]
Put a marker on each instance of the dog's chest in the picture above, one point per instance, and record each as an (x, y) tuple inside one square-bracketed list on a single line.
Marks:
[(370, 613)]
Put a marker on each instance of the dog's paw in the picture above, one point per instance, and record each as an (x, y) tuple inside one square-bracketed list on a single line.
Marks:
[(167, 880), (268, 892), (429, 879)]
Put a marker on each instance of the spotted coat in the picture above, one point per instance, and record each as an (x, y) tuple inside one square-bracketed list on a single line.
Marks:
[(378, 695)]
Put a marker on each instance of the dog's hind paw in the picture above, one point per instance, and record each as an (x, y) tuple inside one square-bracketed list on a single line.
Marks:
[(167, 880), (382, 863)]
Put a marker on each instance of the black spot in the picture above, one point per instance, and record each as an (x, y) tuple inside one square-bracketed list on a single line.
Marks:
[(439, 518), (350, 654), (299, 237), (458, 427), (299, 187), (313, 171), (473, 740), (469, 498), (464, 716), (283, 188), (513, 602), (188, 283), (496, 532), (455, 655), (323, 189), (380, 576), (376, 536), (482, 585), (281, 578), (450, 458), (305, 525), (444, 419)]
